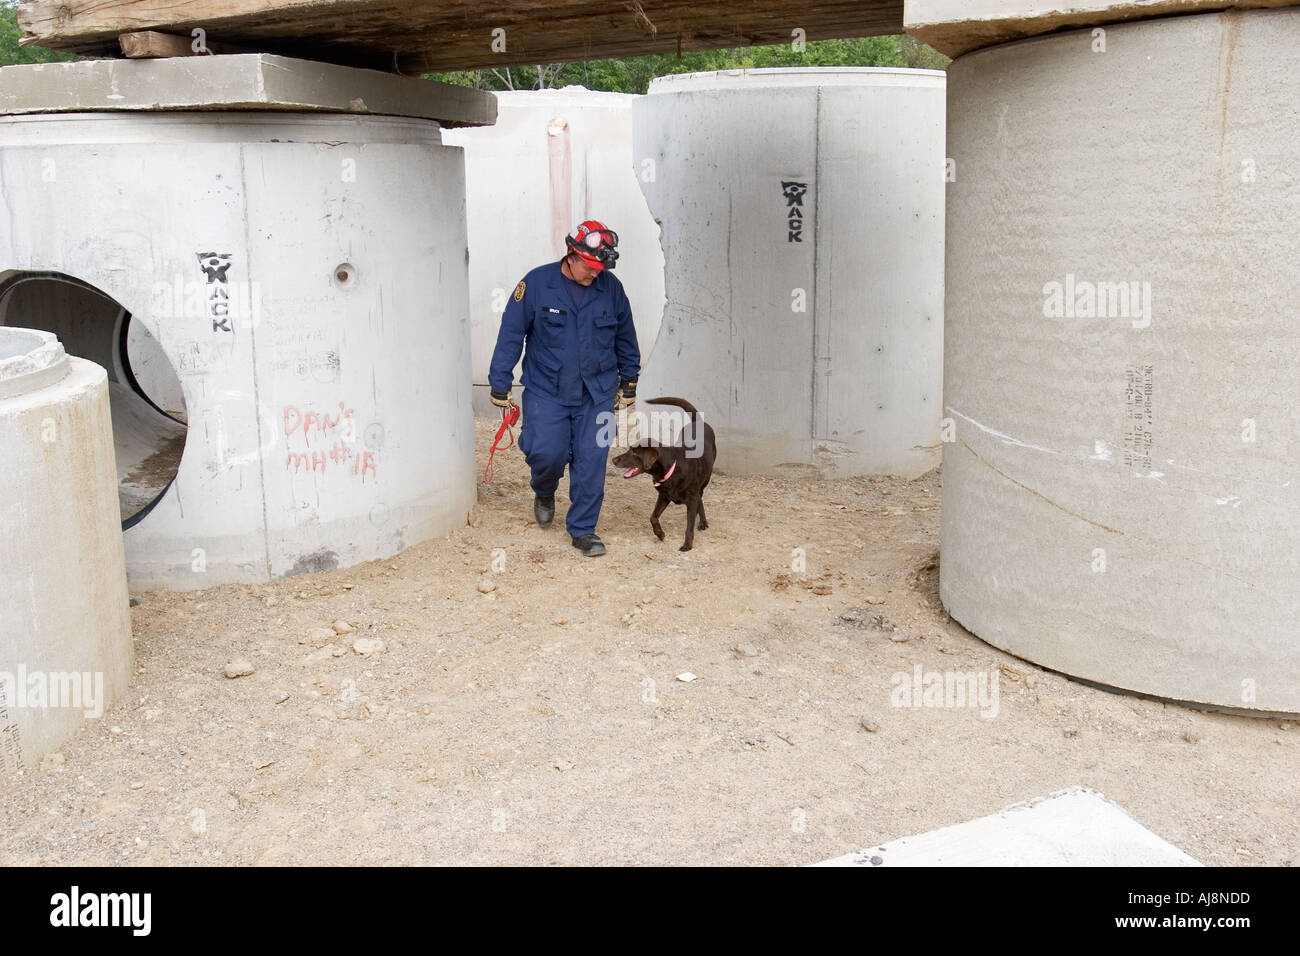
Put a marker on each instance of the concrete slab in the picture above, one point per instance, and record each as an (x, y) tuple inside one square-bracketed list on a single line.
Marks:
[(1075, 827), (955, 27), (249, 81)]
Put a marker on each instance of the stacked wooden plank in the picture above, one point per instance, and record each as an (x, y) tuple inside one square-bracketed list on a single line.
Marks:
[(420, 36)]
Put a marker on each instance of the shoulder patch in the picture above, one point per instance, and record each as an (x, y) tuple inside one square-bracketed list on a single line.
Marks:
[(519, 292)]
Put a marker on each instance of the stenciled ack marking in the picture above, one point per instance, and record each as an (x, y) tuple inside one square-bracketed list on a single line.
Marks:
[(794, 193), (215, 265)]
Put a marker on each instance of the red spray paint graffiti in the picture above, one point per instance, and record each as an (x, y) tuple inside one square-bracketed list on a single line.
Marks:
[(335, 434)]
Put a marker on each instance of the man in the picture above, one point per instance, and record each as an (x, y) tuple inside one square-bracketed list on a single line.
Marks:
[(581, 351)]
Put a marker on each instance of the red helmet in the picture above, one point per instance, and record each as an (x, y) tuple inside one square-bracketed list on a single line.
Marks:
[(594, 244)]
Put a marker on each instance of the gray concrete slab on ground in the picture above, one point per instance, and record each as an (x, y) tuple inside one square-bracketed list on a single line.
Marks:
[(955, 27), (1075, 827), (246, 81)]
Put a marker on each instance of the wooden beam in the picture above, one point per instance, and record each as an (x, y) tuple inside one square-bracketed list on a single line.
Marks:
[(152, 45), (438, 35)]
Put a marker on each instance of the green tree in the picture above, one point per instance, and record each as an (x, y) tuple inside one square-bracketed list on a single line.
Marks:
[(633, 74), (10, 51)]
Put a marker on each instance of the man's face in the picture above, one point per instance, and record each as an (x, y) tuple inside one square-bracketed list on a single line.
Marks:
[(582, 273)]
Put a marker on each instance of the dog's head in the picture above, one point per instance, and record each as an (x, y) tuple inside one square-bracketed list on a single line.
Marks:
[(637, 460)]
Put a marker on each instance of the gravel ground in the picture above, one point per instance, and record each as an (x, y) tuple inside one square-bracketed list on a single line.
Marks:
[(527, 708)]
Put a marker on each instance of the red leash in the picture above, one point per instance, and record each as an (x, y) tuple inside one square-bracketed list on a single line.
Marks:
[(509, 418)]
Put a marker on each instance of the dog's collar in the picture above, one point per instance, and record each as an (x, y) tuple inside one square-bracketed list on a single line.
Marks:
[(668, 475)]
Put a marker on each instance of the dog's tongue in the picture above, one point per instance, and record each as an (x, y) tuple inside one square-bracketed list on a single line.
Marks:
[(631, 471)]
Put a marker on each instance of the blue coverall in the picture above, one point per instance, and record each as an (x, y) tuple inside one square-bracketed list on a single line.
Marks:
[(573, 363)]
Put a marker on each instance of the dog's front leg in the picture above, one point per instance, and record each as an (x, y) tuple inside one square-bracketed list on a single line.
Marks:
[(660, 505), (692, 508)]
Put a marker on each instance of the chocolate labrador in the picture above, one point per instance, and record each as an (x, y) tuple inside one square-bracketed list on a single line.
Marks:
[(680, 471)]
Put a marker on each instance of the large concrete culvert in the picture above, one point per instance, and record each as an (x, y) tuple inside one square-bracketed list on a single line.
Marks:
[(802, 217), (300, 261), (148, 406), (1121, 499), (65, 634)]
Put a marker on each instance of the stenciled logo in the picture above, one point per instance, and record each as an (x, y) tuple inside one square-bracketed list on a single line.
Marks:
[(794, 193)]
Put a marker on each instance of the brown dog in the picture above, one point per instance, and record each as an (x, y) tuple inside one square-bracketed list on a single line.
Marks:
[(680, 472)]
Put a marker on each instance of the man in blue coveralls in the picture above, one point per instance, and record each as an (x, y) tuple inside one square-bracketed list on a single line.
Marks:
[(581, 359)]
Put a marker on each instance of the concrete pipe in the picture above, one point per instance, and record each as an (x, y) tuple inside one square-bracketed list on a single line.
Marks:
[(802, 215), (65, 635), (303, 278), (1120, 500), (147, 441), (553, 159)]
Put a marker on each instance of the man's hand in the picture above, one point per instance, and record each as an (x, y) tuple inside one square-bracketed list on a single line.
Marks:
[(626, 394), (503, 399)]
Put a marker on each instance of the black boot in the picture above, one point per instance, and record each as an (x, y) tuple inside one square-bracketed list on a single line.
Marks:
[(544, 510), (590, 545)]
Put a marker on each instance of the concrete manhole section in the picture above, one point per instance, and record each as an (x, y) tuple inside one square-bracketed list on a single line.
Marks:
[(65, 637), (1119, 499)]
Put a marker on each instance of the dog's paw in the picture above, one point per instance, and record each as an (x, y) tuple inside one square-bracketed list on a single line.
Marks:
[(659, 533), (685, 547), (703, 526)]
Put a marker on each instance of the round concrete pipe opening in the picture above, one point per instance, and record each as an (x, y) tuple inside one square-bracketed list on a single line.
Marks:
[(28, 360), (148, 405), (16, 343)]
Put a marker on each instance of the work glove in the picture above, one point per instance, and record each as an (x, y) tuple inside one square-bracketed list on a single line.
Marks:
[(626, 394), (503, 399)]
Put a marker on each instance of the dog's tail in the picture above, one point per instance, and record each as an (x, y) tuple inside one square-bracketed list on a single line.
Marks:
[(679, 402), (690, 433)]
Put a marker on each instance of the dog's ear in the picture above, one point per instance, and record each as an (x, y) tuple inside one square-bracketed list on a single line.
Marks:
[(649, 457)]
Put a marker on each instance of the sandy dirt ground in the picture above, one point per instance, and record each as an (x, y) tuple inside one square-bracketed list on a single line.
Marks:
[(543, 722)]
